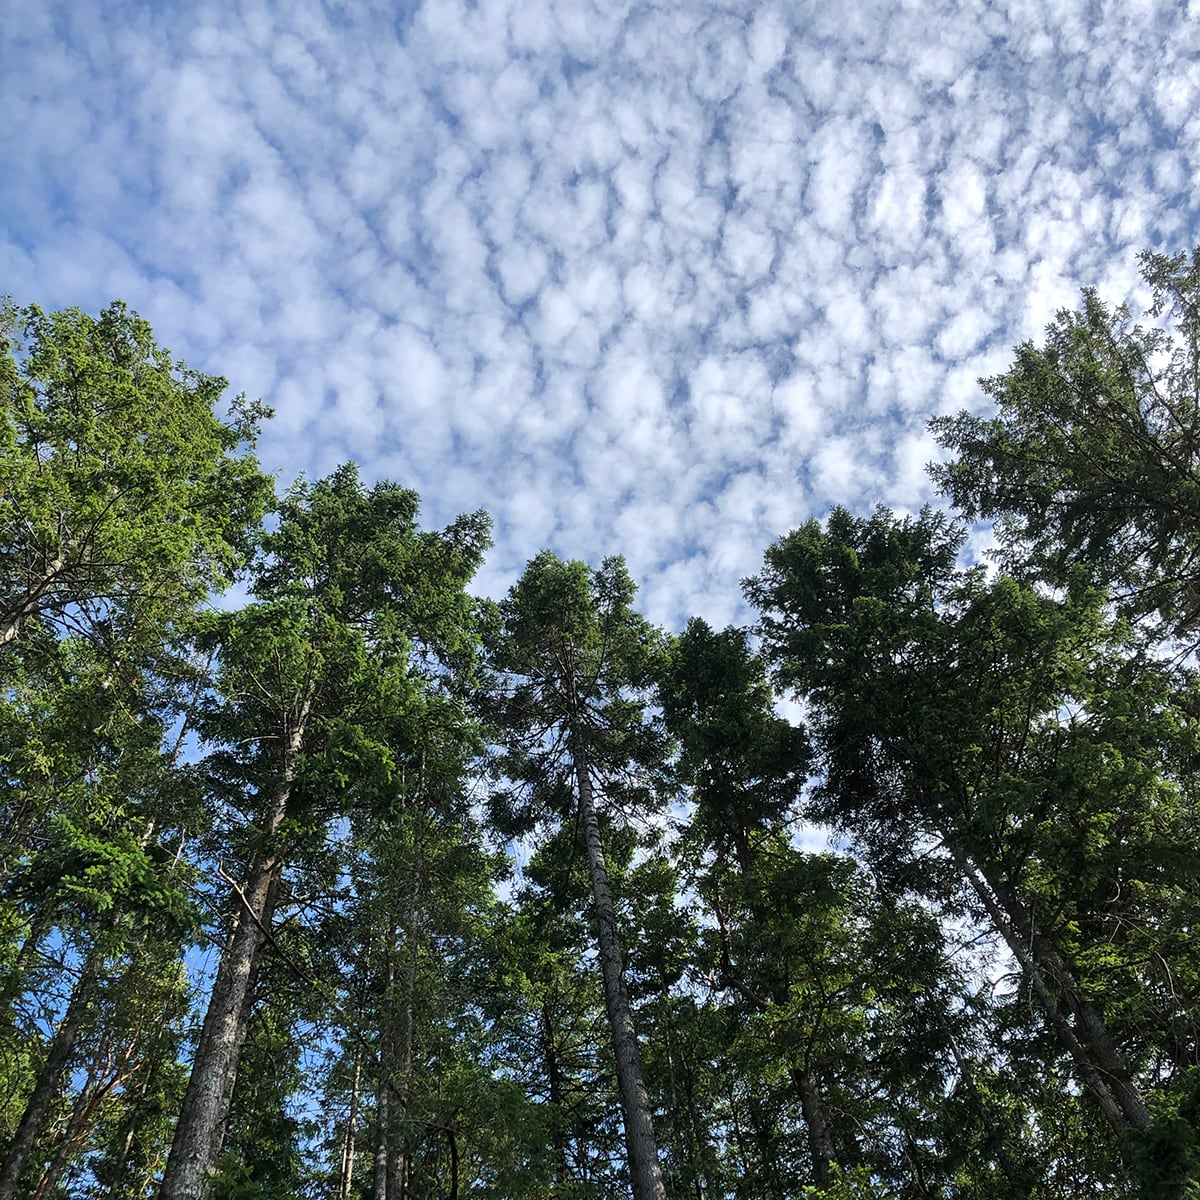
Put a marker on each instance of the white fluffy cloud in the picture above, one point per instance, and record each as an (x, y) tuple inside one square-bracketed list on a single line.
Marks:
[(661, 280)]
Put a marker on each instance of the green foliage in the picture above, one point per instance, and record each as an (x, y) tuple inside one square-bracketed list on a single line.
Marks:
[(1091, 458), (803, 1017), (1166, 1155), (744, 764), (101, 875), (123, 496), (570, 657)]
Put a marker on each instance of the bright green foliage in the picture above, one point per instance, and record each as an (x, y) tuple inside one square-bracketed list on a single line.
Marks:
[(1092, 457), (124, 497), (413, 950), (330, 695), (574, 664), (263, 1158), (356, 613)]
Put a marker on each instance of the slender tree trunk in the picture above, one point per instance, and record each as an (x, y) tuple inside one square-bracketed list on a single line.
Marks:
[(38, 1106), (803, 1082), (685, 1147), (398, 1164), (83, 1113), (739, 1138), (346, 1171), (765, 1146), (706, 1186), (379, 1174), (15, 614), (200, 1132), (129, 1131), (13, 984), (24, 813), (819, 1142), (644, 1170), (1101, 1067), (556, 1079), (741, 841)]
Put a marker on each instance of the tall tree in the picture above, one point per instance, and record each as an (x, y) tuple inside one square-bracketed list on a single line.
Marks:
[(573, 664), (744, 764), (123, 494), (90, 873), (981, 735), (349, 600)]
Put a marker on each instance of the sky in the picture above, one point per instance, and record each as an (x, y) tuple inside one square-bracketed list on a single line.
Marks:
[(662, 280)]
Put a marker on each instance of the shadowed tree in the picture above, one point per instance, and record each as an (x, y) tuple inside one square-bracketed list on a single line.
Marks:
[(991, 745)]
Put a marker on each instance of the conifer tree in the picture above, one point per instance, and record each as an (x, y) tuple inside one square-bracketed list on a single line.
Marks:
[(573, 662), (349, 598)]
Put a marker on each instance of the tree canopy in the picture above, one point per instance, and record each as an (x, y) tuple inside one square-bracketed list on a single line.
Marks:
[(361, 887)]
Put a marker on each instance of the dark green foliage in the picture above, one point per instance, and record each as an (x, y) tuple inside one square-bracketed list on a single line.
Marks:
[(1091, 460), (1166, 1156)]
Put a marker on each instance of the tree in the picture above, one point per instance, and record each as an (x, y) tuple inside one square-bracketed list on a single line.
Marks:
[(546, 1010), (744, 764), (1017, 752), (124, 497), (413, 934), (89, 872), (354, 610), (1092, 458), (573, 662)]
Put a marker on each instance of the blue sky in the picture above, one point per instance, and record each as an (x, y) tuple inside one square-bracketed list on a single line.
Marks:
[(652, 279)]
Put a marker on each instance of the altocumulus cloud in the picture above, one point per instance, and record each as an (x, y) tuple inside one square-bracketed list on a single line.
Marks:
[(654, 279)]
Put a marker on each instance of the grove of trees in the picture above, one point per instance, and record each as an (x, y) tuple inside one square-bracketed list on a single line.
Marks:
[(322, 877)]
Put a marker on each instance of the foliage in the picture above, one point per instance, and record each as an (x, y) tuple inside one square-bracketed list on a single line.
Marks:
[(521, 897), (1091, 460)]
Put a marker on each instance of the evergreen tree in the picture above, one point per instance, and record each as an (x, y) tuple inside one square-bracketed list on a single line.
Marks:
[(1007, 750), (349, 601), (573, 662), (1091, 459)]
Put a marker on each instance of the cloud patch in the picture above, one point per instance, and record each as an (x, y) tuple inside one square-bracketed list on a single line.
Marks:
[(652, 279)]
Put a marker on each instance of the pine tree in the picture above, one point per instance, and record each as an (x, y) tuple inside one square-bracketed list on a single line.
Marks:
[(573, 662)]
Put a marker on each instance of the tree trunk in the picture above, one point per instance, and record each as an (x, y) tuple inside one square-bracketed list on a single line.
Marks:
[(83, 1113), (38, 1106), (200, 1133), (819, 1142), (1101, 1067), (346, 1173), (379, 1173), (15, 614), (129, 1131), (554, 1075), (706, 1186), (645, 1173), (398, 1163)]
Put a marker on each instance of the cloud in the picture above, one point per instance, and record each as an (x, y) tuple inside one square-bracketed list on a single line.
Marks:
[(653, 279)]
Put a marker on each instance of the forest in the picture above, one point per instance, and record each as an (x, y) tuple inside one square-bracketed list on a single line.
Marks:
[(321, 876)]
